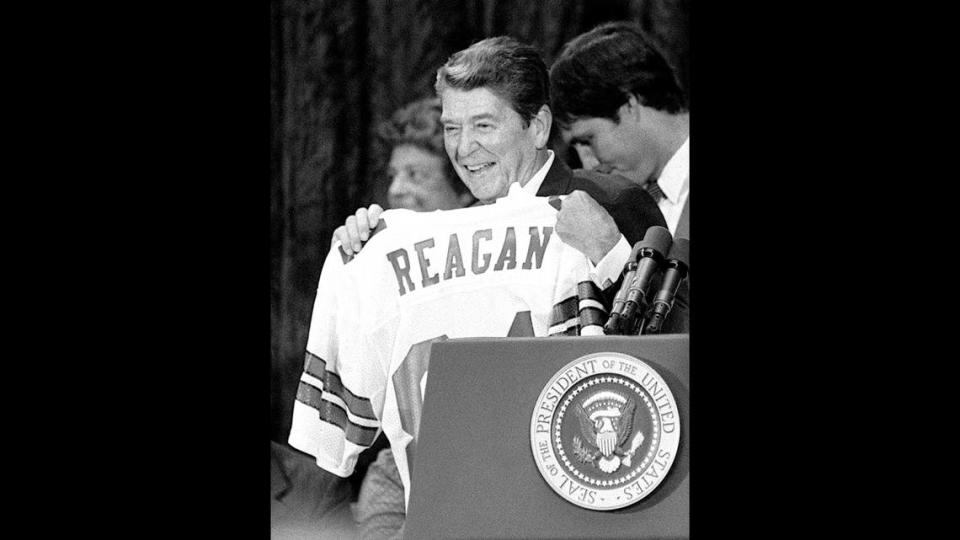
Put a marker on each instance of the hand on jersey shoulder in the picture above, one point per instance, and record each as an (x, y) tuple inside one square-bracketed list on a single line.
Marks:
[(356, 230), (585, 226)]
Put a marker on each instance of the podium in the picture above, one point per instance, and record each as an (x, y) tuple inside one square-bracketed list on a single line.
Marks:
[(475, 475)]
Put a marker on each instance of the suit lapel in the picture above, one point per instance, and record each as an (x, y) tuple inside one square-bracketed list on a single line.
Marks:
[(558, 178)]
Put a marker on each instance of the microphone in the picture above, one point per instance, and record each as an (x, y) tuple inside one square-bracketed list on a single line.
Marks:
[(612, 326), (677, 267), (656, 242)]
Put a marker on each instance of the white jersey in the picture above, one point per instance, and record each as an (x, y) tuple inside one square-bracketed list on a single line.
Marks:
[(486, 271)]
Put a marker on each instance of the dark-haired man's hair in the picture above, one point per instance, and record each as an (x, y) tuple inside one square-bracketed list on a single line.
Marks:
[(512, 70), (418, 124), (597, 72)]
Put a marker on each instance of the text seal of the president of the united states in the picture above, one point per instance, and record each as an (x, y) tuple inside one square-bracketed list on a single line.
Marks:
[(605, 431)]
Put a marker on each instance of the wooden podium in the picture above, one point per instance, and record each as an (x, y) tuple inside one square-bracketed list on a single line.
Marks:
[(475, 474)]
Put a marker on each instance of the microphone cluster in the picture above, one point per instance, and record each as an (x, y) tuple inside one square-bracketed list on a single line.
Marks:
[(636, 308)]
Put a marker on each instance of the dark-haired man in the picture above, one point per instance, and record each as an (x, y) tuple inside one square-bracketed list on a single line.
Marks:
[(618, 102)]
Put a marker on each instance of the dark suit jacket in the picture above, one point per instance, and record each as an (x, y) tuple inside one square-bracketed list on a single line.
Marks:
[(630, 206), (678, 321)]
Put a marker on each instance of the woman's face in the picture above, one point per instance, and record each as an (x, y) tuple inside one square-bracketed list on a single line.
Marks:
[(418, 181)]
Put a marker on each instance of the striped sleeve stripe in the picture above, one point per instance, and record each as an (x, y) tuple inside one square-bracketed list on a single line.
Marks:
[(591, 330), (563, 311), (586, 303), (334, 413), (317, 368), (359, 420), (589, 292), (593, 312), (592, 316), (564, 328)]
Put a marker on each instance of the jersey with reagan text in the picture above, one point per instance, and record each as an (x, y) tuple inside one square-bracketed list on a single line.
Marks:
[(487, 271)]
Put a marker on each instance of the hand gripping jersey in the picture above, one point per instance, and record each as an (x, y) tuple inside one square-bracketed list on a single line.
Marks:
[(488, 271)]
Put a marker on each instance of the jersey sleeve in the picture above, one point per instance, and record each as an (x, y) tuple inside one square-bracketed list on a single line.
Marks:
[(340, 394)]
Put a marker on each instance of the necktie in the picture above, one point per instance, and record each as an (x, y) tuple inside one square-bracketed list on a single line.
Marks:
[(654, 190)]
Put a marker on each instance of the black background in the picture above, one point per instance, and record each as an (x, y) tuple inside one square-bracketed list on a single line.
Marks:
[(154, 420)]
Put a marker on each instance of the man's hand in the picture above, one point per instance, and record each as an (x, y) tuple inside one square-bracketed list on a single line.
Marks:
[(357, 229), (584, 225)]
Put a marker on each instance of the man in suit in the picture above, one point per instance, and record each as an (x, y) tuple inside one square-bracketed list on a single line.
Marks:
[(618, 102)]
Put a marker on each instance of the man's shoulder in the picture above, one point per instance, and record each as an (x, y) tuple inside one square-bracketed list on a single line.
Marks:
[(562, 180), (609, 182), (630, 206), (608, 187)]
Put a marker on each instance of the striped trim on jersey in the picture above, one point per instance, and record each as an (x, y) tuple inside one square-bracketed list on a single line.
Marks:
[(581, 315), (592, 311), (335, 404), (563, 319)]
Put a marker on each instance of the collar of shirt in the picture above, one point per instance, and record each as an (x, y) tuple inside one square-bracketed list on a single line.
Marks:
[(533, 186), (675, 173)]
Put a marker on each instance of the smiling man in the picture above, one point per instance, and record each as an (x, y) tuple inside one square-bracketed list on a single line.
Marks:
[(488, 143)]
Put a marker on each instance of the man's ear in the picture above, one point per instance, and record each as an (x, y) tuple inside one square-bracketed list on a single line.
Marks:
[(631, 108), (541, 125)]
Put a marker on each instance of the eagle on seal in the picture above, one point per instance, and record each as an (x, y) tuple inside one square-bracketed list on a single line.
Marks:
[(605, 432)]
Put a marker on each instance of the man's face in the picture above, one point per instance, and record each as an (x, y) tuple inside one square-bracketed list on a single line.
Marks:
[(617, 147), (487, 142)]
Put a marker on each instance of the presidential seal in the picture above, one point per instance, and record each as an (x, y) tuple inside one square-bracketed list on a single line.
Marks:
[(605, 431)]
